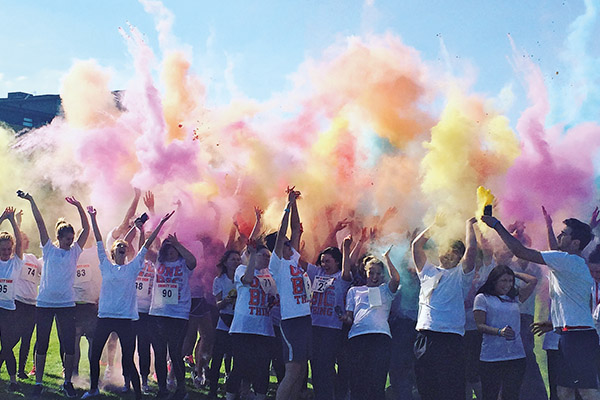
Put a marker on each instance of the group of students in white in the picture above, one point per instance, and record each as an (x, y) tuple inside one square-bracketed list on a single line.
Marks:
[(277, 310)]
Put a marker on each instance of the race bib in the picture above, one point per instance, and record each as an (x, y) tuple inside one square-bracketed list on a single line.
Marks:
[(321, 283), (374, 297), (307, 286), (166, 293), (7, 290), (30, 273), (142, 287), (267, 283), (83, 274)]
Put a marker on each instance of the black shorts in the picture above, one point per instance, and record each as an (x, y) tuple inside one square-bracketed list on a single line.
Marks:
[(200, 307), (297, 338), (578, 358)]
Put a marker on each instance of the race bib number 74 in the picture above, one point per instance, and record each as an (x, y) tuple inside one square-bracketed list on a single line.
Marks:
[(30, 273)]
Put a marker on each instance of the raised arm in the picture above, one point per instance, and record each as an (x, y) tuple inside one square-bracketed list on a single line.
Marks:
[(394, 275), (355, 253), (471, 252), (552, 242), (285, 219), (149, 202), (331, 240), (97, 235), (248, 276), (418, 249), (530, 283), (346, 263), (189, 258), (257, 228), (39, 220), (295, 224), (172, 239), (83, 235), (9, 214), (512, 242), (122, 229)]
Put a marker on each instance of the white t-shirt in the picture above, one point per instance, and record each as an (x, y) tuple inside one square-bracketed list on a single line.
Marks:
[(252, 314), (498, 315), (118, 294), (222, 284), (171, 296), (371, 307), (88, 279), (58, 276), (26, 286), (9, 274), (143, 285), (290, 280), (479, 278), (329, 291), (570, 282), (441, 299)]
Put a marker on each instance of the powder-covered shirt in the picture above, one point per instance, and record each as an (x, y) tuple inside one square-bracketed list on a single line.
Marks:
[(290, 280), (371, 308), (26, 286), (499, 314), (88, 279), (58, 276), (143, 286), (224, 286), (329, 291), (118, 294), (570, 282), (252, 308), (9, 274), (171, 296), (441, 299)]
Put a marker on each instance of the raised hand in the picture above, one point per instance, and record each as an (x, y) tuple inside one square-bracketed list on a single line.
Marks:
[(251, 246), (364, 234), (489, 220), (258, 212), (91, 210), (547, 216), (341, 225), (172, 238), (166, 218), (9, 214), (72, 200), (347, 242), (387, 253), (19, 217), (24, 195), (149, 201), (594, 221)]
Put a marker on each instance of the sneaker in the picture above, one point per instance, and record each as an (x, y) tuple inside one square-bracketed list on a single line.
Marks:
[(124, 389), (189, 361), (37, 390), (14, 387), (145, 389), (22, 375), (32, 372), (90, 393), (171, 385), (68, 389)]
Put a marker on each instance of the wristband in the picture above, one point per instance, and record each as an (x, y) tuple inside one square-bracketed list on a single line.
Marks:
[(499, 331), (495, 223), (286, 210)]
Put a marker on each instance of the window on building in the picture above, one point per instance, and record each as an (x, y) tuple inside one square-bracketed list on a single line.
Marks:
[(28, 122)]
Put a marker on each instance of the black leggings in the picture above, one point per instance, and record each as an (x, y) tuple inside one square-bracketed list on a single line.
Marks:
[(26, 321), (65, 324), (505, 375), (143, 331), (170, 333), (251, 359), (370, 365), (9, 336), (124, 329), (222, 348)]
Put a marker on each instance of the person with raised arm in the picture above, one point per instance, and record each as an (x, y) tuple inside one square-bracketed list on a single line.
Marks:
[(331, 280), (117, 307), (367, 310), (497, 315), (292, 283), (570, 283), (251, 329), (170, 308), (56, 297), (11, 263), (440, 357)]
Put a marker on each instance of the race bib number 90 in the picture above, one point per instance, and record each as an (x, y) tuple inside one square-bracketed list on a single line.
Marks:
[(7, 289), (166, 293)]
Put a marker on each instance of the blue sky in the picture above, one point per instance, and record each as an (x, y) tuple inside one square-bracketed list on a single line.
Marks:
[(266, 41)]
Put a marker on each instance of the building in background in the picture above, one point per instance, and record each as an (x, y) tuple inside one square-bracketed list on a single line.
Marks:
[(24, 111)]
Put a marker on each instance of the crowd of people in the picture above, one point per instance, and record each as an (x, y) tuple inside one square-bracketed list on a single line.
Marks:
[(457, 330)]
